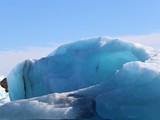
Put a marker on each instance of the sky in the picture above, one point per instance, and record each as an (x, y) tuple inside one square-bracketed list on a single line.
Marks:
[(34, 28)]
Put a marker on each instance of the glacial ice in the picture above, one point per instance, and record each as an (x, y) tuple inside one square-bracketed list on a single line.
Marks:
[(53, 106), (99, 78), (1, 77), (72, 67), (4, 97)]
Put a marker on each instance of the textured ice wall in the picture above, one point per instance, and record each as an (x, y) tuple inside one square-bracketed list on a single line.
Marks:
[(131, 94), (73, 66), (53, 106), (119, 80)]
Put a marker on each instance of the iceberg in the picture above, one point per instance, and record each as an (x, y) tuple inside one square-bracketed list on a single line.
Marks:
[(73, 66), (97, 78)]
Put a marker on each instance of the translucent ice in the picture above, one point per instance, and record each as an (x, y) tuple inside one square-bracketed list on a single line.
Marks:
[(73, 66), (100, 78)]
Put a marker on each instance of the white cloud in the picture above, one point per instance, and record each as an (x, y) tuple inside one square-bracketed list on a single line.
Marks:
[(152, 39), (9, 58)]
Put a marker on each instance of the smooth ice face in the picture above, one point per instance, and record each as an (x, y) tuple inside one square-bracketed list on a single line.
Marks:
[(16, 83), (73, 66)]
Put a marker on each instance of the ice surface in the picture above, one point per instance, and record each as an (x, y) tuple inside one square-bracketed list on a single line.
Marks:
[(1, 77), (73, 66), (102, 78), (53, 106), (134, 93), (4, 97)]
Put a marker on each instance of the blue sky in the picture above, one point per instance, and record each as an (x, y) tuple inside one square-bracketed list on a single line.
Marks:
[(46, 22), (34, 28)]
